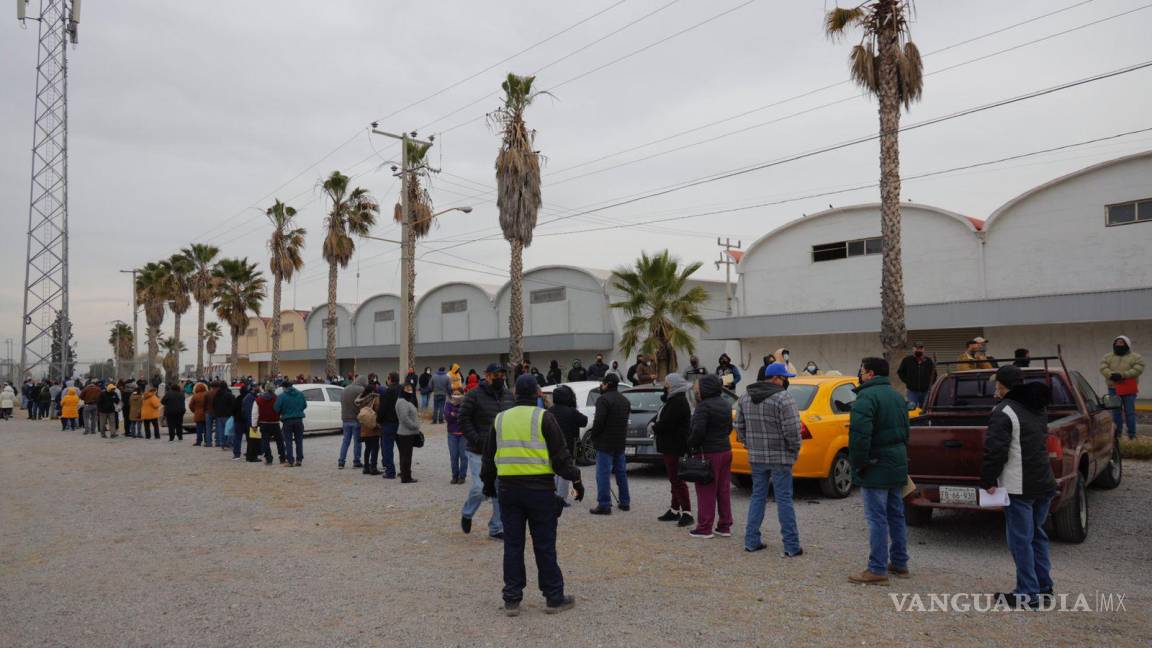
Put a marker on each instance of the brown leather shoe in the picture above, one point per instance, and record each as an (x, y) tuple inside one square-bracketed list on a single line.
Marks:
[(898, 573), (868, 578)]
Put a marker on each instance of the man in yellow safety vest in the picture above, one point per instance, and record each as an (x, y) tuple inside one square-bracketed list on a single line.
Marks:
[(523, 454)]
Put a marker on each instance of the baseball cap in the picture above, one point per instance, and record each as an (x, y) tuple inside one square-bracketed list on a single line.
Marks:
[(495, 367), (778, 369), (918, 345), (978, 340)]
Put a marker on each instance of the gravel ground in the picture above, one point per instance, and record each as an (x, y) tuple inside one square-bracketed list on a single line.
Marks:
[(125, 542)]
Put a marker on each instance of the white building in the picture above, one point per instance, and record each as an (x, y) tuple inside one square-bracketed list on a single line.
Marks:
[(566, 316), (1068, 262)]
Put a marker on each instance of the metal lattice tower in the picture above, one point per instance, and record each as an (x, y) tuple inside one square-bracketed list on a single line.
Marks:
[(46, 273)]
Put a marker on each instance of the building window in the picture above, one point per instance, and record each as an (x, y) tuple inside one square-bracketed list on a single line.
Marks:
[(845, 249), (455, 306), (547, 295), (384, 316), (1137, 211), (286, 328)]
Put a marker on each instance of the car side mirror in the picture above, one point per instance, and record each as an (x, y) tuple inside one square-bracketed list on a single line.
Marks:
[(1110, 402)]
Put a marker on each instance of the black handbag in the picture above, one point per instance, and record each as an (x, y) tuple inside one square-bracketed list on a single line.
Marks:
[(418, 442), (695, 469)]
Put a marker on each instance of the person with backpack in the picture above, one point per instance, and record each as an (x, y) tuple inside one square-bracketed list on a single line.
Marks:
[(267, 418), (365, 405)]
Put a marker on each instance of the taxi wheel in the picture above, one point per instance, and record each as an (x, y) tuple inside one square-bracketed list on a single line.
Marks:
[(838, 483)]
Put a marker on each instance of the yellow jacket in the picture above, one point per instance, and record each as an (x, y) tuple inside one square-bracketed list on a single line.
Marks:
[(150, 406), (70, 404), (970, 362)]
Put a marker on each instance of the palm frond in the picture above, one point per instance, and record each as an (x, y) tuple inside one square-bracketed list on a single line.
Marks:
[(910, 74), (838, 20)]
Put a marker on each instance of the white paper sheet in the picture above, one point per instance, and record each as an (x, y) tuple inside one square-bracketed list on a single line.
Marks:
[(993, 500)]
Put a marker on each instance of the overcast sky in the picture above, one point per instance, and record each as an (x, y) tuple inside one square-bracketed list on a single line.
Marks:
[(186, 118)]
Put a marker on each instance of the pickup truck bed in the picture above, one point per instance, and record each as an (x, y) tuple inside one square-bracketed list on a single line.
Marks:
[(946, 447)]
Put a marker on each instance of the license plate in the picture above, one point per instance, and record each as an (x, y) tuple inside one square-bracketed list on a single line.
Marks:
[(957, 495)]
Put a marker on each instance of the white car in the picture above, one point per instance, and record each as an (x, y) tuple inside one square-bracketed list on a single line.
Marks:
[(321, 415), (587, 393)]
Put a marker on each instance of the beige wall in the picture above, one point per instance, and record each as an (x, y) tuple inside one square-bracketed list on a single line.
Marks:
[(294, 339), (255, 337)]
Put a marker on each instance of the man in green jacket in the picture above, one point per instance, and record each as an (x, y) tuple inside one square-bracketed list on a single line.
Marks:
[(877, 449)]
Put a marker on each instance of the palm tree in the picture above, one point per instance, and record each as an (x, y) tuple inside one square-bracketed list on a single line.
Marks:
[(123, 343), (172, 347), (517, 194), (179, 299), (886, 64), (203, 258), (353, 212), (153, 283), (659, 305), (420, 217), (212, 334), (286, 245), (239, 289)]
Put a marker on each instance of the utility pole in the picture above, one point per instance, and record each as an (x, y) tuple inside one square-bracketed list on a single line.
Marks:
[(135, 323), (727, 261), (46, 266), (407, 333)]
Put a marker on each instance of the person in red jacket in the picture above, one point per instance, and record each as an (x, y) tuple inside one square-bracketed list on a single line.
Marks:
[(265, 416)]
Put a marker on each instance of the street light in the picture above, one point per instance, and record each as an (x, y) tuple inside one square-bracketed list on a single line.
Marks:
[(406, 298)]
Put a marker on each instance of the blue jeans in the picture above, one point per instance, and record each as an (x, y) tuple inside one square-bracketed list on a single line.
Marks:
[(438, 408), (239, 431), (210, 422), (917, 397), (201, 433), (221, 424), (424, 398), (607, 464), (535, 509), (1127, 412), (1024, 521), (476, 496), (884, 510), (781, 477), (458, 455), (388, 448), (293, 436), (351, 433)]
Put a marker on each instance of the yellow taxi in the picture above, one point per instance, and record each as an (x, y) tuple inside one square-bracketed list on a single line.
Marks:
[(824, 403)]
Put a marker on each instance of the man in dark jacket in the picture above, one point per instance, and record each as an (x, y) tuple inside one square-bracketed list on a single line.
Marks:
[(1016, 459), (641, 359), (577, 373), (527, 482), (106, 410), (477, 412), (174, 408), (917, 372), (711, 428), (349, 423), (608, 433), (571, 421), (222, 405), (597, 370), (670, 428), (389, 423), (878, 451)]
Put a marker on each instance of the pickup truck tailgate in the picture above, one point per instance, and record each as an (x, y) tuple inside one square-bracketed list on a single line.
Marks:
[(945, 453)]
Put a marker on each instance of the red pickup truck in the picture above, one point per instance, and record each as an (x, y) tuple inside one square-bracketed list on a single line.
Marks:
[(946, 446)]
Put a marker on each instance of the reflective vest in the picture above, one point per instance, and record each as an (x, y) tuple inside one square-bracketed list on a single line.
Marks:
[(520, 446)]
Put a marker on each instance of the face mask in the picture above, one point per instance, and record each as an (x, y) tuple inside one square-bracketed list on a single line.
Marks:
[(1119, 349), (918, 354), (785, 356), (810, 369), (785, 383)]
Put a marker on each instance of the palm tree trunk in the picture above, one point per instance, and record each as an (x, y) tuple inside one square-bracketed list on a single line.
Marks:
[(200, 342), (516, 305), (234, 357), (153, 350), (330, 322), (274, 366), (176, 352), (893, 334)]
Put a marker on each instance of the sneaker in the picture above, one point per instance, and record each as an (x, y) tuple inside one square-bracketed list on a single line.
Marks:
[(410, 480), (235, 458), (387, 476), (702, 535), (670, 516), (686, 520), (600, 510), (512, 608), (103, 436), (625, 507), (357, 464), (868, 578), (466, 524), (287, 464), (759, 547), (789, 554), (298, 464), (1013, 600), (499, 535), (340, 465), (567, 603), (898, 573), (724, 534)]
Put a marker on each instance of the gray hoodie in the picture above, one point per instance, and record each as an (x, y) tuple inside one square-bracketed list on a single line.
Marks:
[(409, 418), (348, 409)]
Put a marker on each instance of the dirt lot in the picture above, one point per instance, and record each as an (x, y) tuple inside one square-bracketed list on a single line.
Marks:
[(125, 542)]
